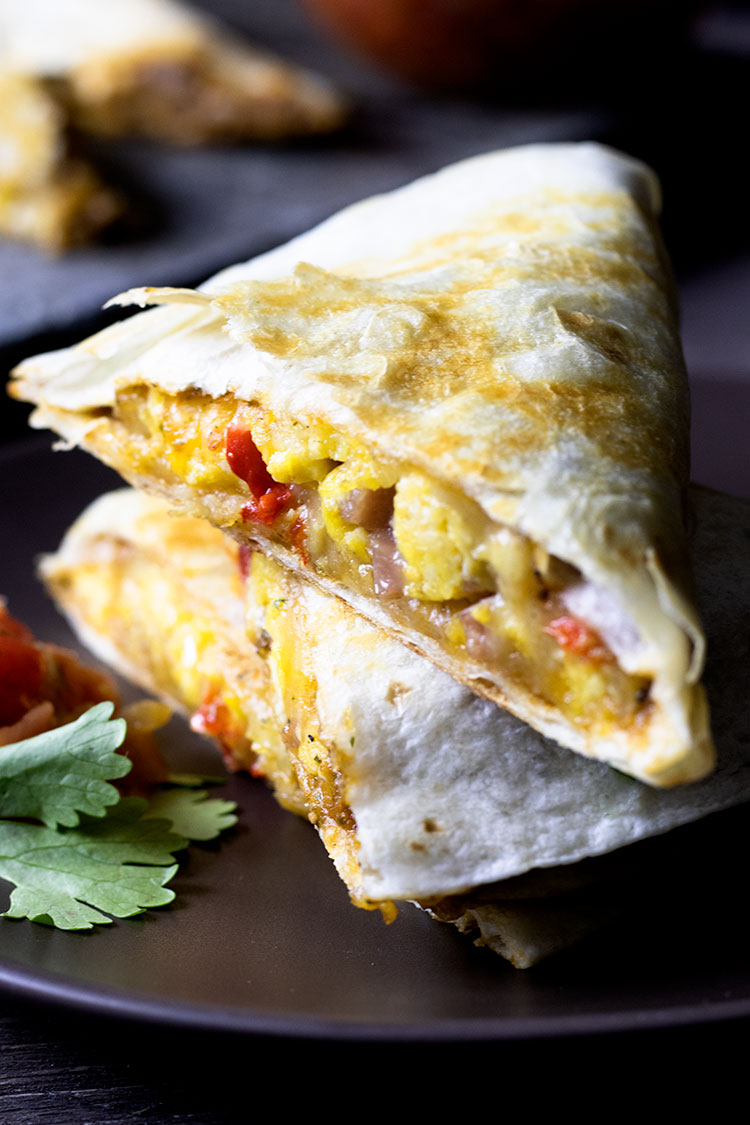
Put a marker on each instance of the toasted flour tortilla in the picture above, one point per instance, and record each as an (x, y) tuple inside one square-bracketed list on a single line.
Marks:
[(492, 350), (419, 789), (158, 68)]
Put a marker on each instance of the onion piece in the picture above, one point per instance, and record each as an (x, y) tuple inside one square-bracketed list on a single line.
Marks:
[(482, 643), (370, 508), (387, 565)]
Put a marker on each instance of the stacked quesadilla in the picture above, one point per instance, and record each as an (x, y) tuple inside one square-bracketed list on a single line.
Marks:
[(419, 789), (460, 409)]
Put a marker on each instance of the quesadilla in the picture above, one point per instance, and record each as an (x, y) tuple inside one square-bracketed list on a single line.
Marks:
[(462, 407), (156, 68), (49, 193), (419, 790)]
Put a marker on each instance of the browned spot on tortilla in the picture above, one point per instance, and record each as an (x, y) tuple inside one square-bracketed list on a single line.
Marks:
[(396, 692)]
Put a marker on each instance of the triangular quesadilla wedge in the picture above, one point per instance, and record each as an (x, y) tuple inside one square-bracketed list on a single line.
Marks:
[(418, 788), (462, 407), (159, 69)]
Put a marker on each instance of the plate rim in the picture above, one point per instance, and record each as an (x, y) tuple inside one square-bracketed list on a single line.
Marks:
[(56, 988)]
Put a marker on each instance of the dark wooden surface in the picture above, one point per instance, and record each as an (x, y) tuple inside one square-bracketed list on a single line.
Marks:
[(59, 1065), (59, 1068)]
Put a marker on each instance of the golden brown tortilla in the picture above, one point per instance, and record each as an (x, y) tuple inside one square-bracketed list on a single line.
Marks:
[(495, 349)]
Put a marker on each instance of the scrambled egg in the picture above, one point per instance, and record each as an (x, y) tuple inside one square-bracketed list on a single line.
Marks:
[(295, 452), (441, 536), (186, 432), (438, 534), (48, 194)]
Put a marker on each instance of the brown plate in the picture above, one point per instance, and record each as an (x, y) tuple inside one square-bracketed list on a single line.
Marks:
[(262, 938)]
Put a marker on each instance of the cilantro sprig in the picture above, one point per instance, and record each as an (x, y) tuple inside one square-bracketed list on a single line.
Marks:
[(90, 853), (56, 776)]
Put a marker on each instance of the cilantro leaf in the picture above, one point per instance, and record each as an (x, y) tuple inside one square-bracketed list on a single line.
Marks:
[(119, 864), (55, 776), (113, 855), (193, 813), (195, 780)]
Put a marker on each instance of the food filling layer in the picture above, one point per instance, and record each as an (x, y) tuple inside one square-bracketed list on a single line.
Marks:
[(261, 712), (179, 650), (489, 595), (277, 627)]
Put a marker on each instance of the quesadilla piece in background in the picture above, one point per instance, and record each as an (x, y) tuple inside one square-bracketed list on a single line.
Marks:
[(419, 790), (466, 415), (49, 193), (159, 69)]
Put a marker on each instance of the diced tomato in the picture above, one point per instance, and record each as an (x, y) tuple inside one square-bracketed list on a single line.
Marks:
[(71, 684), (212, 717), (269, 497), (31, 672), (245, 460), (576, 636), (20, 677), (264, 509), (43, 686)]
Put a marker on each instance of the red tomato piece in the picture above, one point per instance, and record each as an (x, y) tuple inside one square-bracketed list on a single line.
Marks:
[(212, 717), (264, 509), (576, 636), (269, 497), (246, 462)]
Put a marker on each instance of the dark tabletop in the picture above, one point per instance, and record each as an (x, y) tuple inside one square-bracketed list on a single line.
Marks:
[(212, 207)]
